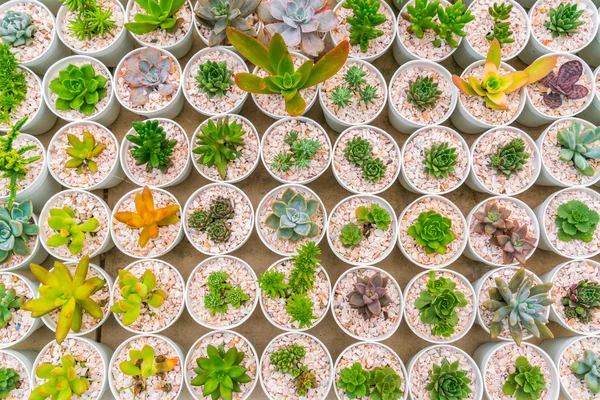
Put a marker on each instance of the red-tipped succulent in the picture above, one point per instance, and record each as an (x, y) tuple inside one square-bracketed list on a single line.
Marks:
[(516, 243), (370, 295), (492, 219)]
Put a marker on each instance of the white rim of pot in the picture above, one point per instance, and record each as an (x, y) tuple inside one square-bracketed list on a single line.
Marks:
[(43, 218), (61, 65), (33, 116), (278, 190), (519, 203), (188, 359), (467, 154), (478, 286), (586, 71), (37, 323), (460, 216), (375, 56), (537, 155), (64, 130), (188, 301), (382, 84), (116, 209), (25, 360), (556, 352), (369, 343), (115, 287), (116, 78), (479, 387), (174, 346), (124, 154), (392, 280), (218, 117), (393, 225), (274, 340), (33, 252), (188, 204), (472, 317), (380, 131), (109, 282), (283, 121), (288, 329)]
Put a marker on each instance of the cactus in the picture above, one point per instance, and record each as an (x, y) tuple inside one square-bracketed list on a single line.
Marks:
[(147, 72), (291, 217), (16, 29), (576, 143), (83, 152)]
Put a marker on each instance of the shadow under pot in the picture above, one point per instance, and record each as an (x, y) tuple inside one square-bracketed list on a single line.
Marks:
[(21, 324), (19, 363)]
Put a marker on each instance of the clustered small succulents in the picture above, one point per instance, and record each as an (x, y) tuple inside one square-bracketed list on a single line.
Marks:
[(448, 382), (369, 296), (79, 88), (292, 216), (217, 15), (83, 152), (214, 221), (221, 294), (355, 86), (375, 384), (576, 221), (564, 84), (137, 293), (214, 78), (527, 382), (145, 363), (432, 231), (359, 153), (500, 12), (70, 232), (577, 147), (564, 20), (588, 370), (440, 160), (16, 28), (509, 158), (91, 20), (13, 86), (368, 220), (363, 21), (301, 152), (423, 92), (150, 146), (582, 300), (16, 229), (9, 303), (288, 360)]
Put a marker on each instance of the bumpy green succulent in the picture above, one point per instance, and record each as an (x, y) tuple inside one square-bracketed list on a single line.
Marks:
[(448, 382), (16, 226), (9, 302), (70, 232), (16, 28), (61, 381), (214, 78), (440, 160), (374, 170), (13, 85), (271, 283), (358, 151), (83, 152), (423, 92), (350, 235), (150, 146), (526, 383), (355, 381), (576, 142), (302, 276), (236, 297), (432, 231), (386, 384), (291, 216), (509, 158), (79, 88), (286, 358), (588, 370), (582, 301), (576, 221), (564, 20), (9, 380), (222, 294)]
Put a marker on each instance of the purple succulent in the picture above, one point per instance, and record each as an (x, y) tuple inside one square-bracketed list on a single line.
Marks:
[(564, 84), (148, 71)]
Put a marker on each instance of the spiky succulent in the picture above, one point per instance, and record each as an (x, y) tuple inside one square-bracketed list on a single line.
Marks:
[(500, 12), (440, 160), (423, 92), (61, 381), (363, 21), (9, 380), (16, 28), (341, 96), (369, 296), (148, 72), (576, 142), (83, 152), (582, 301), (448, 382), (150, 146), (516, 243), (564, 84), (368, 94), (302, 276), (522, 303), (79, 88), (492, 219), (272, 285), (90, 20), (292, 216), (219, 14), (70, 232), (432, 231), (358, 151), (145, 363), (303, 151), (526, 383), (355, 381), (13, 85), (452, 20), (300, 307), (159, 14), (386, 384), (588, 370), (9, 302), (564, 20), (576, 221), (355, 77), (16, 226), (214, 78), (137, 293), (510, 158)]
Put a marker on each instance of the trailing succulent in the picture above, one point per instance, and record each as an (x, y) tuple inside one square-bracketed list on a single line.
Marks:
[(16, 227), (355, 86), (61, 381), (137, 293), (9, 381), (359, 153), (432, 232), (364, 19), (576, 221), (287, 360), (440, 160), (526, 383), (448, 382), (292, 216), (217, 15), (588, 370), (303, 151), (9, 302), (150, 146), (564, 84), (576, 142), (369, 296), (90, 19), (214, 78), (368, 219), (70, 232), (159, 15), (143, 364), (148, 72), (500, 12), (564, 20), (83, 152), (582, 300), (423, 93), (214, 220), (13, 86), (16, 28), (522, 304), (509, 158), (222, 294), (78, 88)]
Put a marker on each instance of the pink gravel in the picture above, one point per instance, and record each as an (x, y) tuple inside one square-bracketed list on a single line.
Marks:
[(160, 37), (24, 390), (21, 321), (43, 21), (33, 170), (572, 384), (30, 105)]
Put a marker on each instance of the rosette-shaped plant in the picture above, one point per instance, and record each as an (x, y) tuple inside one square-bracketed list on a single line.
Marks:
[(374, 170), (219, 14), (146, 72), (577, 147), (369, 295), (9, 380), (283, 77), (286, 358), (354, 381), (62, 381), (588, 370), (386, 384), (83, 152), (363, 21), (358, 151), (564, 84), (159, 14), (432, 231), (16, 28), (351, 235), (565, 19), (150, 147), (145, 363), (492, 219), (221, 208), (137, 293), (70, 232), (8, 301), (78, 88), (526, 383), (440, 160), (448, 382), (422, 93), (219, 231), (510, 158), (576, 221), (375, 216), (516, 243), (582, 300), (200, 220), (292, 215), (16, 226), (214, 78)]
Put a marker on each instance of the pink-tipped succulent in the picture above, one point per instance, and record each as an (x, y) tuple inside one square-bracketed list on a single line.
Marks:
[(493, 87), (369, 295), (148, 71), (564, 84), (492, 219), (516, 243)]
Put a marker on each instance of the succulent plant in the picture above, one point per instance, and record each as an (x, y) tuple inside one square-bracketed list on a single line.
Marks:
[(500, 12), (432, 231), (492, 219), (302, 276), (214, 78), (422, 93), (369, 295), (16, 28), (69, 293), (526, 383), (150, 146), (363, 21), (522, 304), (509, 158), (452, 20), (9, 380), (219, 231), (564, 20), (16, 226), (222, 294), (305, 380), (448, 382), (375, 216), (147, 72), (341, 96), (286, 358), (83, 152), (283, 77), (300, 308), (137, 292), (576, 146), (351, 235), (355, 76), (8, 301), (358, 151), (62, 381), (493, 87), (145, 363), (272, 285), (576, 221), (236, 297), (355, 381), (588, 370), (13, 86), (219, 14), (78, 88), (368, 94), (217, 281), (374, 170), (159, 14), (146, 217), (90, 19), (300, 22), (440, 160), (291, 216), (582, 300), (200, 220), (221, 373), (386, 384), (71, 233), (222, 208), (421, 15), (303, 151), (564, 84), (516, 243)]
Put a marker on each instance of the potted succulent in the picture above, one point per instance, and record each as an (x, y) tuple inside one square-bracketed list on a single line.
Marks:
[(148, 83), (297, 366), (355, 95), (156, 152), (439, 306), (444, 371), (369, 24), (208, 366), (218, 218), (28, 26), (506, 161), (492, 93), (502, 231), (435, 160), (148, 296), (562, 234), (366, 159), (75, 223), (166, 24), (15, 374), (221, 292), (296, 291), (362, 229), (85, 155), (568, 90), (208, 82), (236, 158), (296, 150), (77, 367), (369, 370), (16, 324), (282, 234), (431, 232), (154, 235), (420, 94), (145, 364), (430, 30), (367, 303), (19, 237)]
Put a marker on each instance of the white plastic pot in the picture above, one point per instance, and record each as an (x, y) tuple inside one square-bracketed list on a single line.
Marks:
[(38, 254), (403, 124), (469, 252), (591, 53), (168, 111), (106, 116), (26, 358), (592, 113), (556, 348), (37, 322), (124, 154)]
